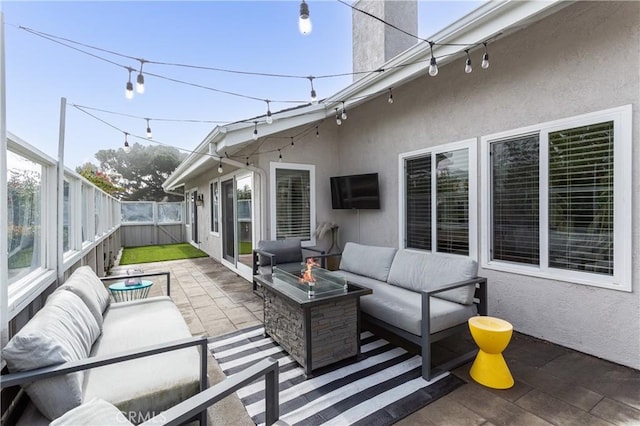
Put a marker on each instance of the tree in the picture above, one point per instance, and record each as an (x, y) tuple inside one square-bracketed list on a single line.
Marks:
[(142, 171), (100, 179)]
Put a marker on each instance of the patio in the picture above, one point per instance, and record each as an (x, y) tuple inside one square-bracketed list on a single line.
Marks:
[(554, 385)]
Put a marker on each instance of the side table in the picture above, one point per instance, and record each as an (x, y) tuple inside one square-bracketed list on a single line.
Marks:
[(492, 335), (123, 293)]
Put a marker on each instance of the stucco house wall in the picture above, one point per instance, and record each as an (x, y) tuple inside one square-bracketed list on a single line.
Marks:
[(582, 59)]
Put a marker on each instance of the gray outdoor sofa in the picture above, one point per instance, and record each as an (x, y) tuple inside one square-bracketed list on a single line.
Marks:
[(138, 355), (419, 296)]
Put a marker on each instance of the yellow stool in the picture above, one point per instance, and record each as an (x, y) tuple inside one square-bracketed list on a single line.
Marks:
[(492, 335)]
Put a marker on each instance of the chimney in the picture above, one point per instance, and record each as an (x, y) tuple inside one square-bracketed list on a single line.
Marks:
[(374, 43)]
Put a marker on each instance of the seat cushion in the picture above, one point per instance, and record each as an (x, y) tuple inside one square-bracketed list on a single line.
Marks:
[(96, 412), (63, 330), (420, 271), (370, 261), (149, 385), (86, 284), (286, 251), (402, 308)]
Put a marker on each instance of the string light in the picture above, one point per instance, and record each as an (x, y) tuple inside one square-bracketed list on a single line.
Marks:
[(247, 162), (304, 23), (467, 64), (314, 97), (280, 155), (338, 120), (433, 66), (140, 79), (269, 117), (344, 112), (255, 131), (317, 132), (390, 99), (149, 133), (485, 57), (129, 91), (220, 169), (126, 148), (292, 144)]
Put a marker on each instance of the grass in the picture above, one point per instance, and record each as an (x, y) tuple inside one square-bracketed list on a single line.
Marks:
[(160, 253), (245, 247)]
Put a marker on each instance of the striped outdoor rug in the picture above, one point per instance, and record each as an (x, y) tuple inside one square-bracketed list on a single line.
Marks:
[(384, 386)]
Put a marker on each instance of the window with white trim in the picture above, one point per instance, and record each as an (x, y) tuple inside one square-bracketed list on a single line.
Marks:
[(214, 196), (437, 207), (555, 199), (293, 202)]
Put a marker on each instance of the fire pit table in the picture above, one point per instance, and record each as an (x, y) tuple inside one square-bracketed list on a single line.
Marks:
[(316, 319)]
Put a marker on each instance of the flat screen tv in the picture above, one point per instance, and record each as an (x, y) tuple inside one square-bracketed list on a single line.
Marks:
[(355, 192)]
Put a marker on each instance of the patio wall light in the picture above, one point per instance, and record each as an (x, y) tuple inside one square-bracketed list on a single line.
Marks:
[(200, 200)]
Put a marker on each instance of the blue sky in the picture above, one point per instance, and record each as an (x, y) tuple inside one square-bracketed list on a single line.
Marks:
[(259, 36)]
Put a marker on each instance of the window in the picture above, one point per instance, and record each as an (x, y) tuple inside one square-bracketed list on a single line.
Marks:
[(214, 196), (438, 187), (24, 236), (556, 199), (293, 202)]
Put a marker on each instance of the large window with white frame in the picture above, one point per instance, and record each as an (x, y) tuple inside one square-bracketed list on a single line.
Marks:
[(556, 197), (293, 203), (437, 199)]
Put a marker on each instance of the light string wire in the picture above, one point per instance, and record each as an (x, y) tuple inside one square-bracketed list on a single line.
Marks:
[(66, 43), (257, 151)]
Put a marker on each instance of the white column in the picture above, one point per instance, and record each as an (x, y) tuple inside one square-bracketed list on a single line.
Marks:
[(60, 198), (4, 249)]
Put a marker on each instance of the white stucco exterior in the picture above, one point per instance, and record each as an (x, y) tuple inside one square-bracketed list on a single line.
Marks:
[(581, 59)]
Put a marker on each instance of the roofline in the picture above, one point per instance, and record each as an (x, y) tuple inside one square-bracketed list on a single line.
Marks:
[(483, 23)]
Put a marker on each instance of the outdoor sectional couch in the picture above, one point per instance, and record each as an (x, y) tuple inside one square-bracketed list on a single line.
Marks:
[(420, 296), (138, 355)]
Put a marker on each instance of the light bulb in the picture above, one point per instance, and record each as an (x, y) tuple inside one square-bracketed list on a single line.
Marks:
[(126, 148), (314, 98), (317, 132), (129, 92), (220, 169), (292, 141), (149, 134), (338, 120), (433, 67), (279, 156), (485, 61), (140, 83), (269, 117), (390, 100), (255, 135), (467, 66), (304, 23), (343, 115)]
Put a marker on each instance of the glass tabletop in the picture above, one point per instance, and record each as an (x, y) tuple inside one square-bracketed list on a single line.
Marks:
[(123, 286), (313, 282)]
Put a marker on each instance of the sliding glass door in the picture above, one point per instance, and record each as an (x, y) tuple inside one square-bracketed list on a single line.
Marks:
[(237, 219)]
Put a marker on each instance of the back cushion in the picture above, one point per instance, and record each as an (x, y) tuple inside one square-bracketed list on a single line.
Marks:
[(419, 271), (85, 276), (63, 330), (286, 251), (370, 261)]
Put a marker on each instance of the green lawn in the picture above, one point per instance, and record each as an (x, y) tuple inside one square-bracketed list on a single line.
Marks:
[(159, 253)]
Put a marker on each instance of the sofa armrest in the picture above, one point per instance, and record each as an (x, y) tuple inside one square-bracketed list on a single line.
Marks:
[(323, 258), (149, 274), (181, 413), (22, 377), (321, 255), (256, 259), (480, 294)]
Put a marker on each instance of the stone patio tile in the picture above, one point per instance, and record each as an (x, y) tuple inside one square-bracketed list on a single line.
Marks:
[(616, 412), (512, 394), (209, 313), (443, 412), (219, 327), (573, 394), (200, 301), (494, 408), (192, 320), (225, 303), (556, 411), (239, 316)]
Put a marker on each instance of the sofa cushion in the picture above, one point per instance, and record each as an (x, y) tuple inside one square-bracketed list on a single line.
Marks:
[(420, 271), (370, 261), (86, 284), (96, 412), (286, 251), (63, 330), (402, 308), (149, 385)]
